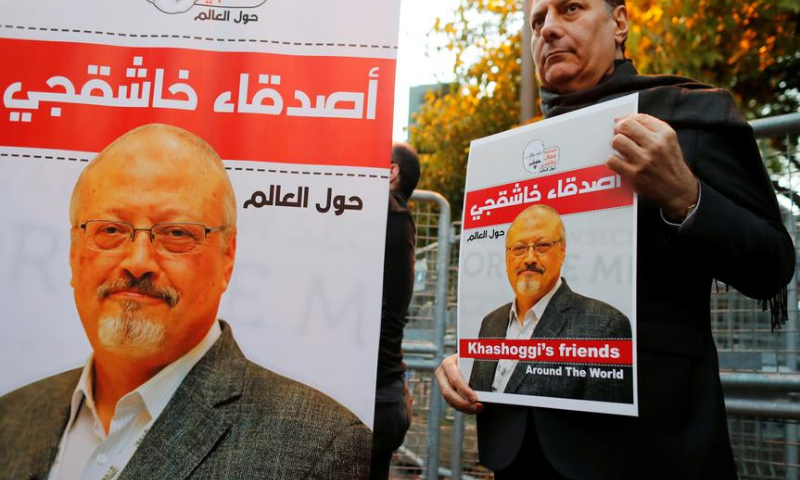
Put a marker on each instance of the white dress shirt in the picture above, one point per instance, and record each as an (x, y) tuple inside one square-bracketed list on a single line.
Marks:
[(517, 331), (689, 219), (86, 452)]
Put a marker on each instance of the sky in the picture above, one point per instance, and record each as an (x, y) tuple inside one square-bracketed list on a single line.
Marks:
[(418, 64)]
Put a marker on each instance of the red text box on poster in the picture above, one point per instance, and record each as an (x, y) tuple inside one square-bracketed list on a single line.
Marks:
[(581, 190), (593, 351)]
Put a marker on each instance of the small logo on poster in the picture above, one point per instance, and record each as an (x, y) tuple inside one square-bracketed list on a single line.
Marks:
[(537, 158), (181, 6)]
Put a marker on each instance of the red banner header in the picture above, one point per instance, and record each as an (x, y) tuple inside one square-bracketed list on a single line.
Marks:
[(248, 106), (583, 190), (601, 352)]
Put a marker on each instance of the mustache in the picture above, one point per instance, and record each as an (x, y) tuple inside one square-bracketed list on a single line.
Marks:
[(144, 285), (531, 268)]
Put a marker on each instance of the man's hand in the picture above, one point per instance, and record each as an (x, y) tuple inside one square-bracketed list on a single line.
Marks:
[(454, 389), (650, 159)]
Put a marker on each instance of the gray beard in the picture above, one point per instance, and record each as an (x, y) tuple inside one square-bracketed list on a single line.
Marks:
[(131, 334), (528, 286)]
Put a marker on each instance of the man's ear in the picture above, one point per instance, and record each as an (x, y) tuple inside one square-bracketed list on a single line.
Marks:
[(620, 18), (73, 254), (229, 256), (394, 172)]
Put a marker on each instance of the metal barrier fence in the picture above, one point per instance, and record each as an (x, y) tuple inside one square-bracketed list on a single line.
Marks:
[(759, 367), (423, 344)]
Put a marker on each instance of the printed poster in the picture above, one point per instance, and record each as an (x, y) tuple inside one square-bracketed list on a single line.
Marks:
[(297, 99), (547, 275)]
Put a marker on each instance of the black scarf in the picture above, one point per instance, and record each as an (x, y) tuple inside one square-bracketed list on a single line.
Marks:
[(679, 101)]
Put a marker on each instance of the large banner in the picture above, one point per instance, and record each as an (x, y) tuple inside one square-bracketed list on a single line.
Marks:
[(547, 277), (297, 99)]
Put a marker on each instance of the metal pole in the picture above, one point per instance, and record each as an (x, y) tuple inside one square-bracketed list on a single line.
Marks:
[(777, 125), (527, 88), (458, 443), (767, 409), (760, 382), (792, 470), (440, 317)]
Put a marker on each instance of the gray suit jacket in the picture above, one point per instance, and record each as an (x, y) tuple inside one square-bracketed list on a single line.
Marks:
[(568, 315), (229, 419)]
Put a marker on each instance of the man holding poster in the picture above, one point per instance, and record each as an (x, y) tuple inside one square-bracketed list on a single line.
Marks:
[(545, 307), (167, 393), (706, 211)]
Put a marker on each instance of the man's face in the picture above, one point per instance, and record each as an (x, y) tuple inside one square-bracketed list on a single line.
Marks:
[(533, 272), (138, 304), (574, 42)]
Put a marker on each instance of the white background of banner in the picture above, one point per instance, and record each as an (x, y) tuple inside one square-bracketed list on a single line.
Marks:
[(306, 290)]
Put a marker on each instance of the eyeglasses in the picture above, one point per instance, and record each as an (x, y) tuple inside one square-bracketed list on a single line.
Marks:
[(167, 238), (521, 249)]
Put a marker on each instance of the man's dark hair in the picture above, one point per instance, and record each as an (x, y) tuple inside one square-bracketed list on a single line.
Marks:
[(406, 158), (612, 4)]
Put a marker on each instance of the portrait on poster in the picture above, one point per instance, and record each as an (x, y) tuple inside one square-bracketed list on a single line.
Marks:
[(547, 280)]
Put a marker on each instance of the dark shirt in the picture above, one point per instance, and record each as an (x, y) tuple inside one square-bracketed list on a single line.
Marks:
[(398, 283)]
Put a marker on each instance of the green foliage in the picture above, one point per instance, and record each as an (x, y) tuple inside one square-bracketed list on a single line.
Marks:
[(751, 47), (484, 99)]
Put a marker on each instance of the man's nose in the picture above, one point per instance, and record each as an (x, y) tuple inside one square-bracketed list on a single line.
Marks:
[(551, 29), (530, 260), (531, 256), (140, 259)]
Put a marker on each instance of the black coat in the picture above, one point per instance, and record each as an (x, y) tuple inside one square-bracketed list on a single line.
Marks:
[(736, 236), (398, 286)]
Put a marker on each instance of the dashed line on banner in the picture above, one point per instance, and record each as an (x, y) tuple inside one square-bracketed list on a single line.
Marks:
[(306, 172), (207, 39), (237, 169), (48, 157)]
